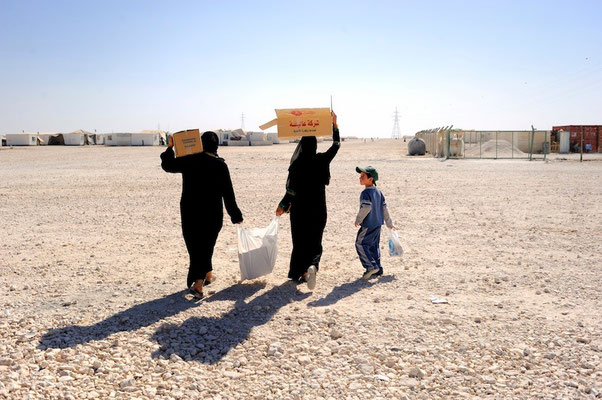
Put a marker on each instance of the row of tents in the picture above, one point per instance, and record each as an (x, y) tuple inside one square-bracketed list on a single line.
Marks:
[(236, 137)]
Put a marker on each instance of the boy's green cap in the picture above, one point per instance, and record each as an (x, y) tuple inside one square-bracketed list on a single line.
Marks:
[(369, 170)]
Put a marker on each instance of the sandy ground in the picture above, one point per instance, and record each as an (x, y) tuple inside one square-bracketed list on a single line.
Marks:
[(93, 268)]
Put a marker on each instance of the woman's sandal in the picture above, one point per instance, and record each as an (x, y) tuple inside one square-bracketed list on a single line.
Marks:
[(196, 293)]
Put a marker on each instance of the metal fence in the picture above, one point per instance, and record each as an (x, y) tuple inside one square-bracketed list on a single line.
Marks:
[(462, 144)]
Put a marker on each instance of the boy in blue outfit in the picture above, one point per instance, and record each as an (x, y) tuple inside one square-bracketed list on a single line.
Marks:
[(373, 213)]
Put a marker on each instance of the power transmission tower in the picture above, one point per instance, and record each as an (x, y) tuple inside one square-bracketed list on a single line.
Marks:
[(242, 121), (396, 134)]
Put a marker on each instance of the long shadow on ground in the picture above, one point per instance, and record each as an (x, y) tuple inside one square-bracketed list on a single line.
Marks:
[(347, 289), (209, 339), (134, 318)]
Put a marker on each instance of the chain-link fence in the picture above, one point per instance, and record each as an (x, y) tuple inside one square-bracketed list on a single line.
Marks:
[(456, 144)]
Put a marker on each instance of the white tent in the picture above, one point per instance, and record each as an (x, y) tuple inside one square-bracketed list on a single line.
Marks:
[(100, 138), (77, 138), (45, 137)]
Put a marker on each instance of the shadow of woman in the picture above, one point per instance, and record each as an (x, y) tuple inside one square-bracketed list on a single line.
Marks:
[(134, 318), (347, 289), (209, 339)]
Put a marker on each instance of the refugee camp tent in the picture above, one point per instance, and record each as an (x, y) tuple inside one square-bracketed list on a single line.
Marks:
[(22, 139), (45, 137), (238, 137), (99, 138), (224, 136), (241, 133), (77, 138), (56, 140)]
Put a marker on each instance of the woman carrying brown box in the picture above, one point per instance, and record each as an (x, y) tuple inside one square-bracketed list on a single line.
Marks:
[(205, 183)]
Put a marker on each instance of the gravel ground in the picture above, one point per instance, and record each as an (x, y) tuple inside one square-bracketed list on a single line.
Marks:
[(93, 268)]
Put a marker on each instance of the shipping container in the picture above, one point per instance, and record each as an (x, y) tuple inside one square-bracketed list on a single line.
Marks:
[(591, 137)]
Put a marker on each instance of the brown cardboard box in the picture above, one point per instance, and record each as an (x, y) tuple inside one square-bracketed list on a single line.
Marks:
[(187, 142), (298, 122)]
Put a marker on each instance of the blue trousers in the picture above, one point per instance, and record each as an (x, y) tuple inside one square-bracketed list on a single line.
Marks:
[(367, 244)]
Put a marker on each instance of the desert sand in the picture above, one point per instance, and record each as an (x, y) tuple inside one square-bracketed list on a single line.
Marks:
[(93, 269)]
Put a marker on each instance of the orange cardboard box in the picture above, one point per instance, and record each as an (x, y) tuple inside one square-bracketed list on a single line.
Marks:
[(187, 142), (297, 122)]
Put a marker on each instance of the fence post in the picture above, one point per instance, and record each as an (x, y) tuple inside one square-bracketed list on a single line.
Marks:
[(512, 144), (581, 156), (448, 138), (531, 145), (545, 140), (447, 152), (496, 145)]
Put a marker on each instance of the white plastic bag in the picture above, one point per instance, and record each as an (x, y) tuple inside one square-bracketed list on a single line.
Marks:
[(257, 250), (395, 249)]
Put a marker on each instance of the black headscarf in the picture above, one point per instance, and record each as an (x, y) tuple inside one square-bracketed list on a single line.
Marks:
[(210, 142), (306, 164)]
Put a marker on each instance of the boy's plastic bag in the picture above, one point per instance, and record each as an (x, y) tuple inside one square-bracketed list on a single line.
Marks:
[(395, 249), (257, 250)]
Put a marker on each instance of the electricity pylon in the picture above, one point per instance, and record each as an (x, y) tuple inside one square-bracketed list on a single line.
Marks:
[(396, 134)]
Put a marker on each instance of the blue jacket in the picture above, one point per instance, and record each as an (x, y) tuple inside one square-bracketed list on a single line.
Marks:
[(373, 209)]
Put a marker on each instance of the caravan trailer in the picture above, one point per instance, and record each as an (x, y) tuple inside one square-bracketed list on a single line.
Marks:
[(145, 139), (273, 137), (22, 139), (258, 139), (118, 139)]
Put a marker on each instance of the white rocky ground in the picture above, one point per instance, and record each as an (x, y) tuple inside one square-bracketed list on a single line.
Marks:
[(93, 266)]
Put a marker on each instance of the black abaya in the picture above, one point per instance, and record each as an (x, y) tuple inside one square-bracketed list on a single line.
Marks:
[(205, 182), (306, 199)]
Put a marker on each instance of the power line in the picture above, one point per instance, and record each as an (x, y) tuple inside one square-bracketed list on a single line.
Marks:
[(396, 134)]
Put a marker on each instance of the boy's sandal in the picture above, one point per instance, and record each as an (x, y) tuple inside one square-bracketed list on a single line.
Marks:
[(196, 293)]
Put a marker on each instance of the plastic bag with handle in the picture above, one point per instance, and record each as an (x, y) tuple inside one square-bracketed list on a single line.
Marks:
[(395, 249), (257, 250)]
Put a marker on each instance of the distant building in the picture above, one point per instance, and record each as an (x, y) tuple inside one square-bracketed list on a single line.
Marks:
[(592, 137), (21, 139)]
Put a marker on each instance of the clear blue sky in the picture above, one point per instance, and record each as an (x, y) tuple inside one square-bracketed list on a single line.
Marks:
[(132, 65)]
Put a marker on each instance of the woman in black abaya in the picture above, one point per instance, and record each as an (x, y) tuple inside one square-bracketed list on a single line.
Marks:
[(305, 199), (205, 182)]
